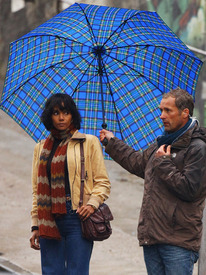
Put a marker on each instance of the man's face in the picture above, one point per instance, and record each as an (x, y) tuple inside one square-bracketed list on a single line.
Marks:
[(172, 118)]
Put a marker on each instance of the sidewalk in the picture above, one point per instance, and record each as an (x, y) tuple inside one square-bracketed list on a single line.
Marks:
[(8, 268), (119, 255)]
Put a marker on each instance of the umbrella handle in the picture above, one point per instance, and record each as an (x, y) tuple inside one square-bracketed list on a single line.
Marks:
[(105, 140)]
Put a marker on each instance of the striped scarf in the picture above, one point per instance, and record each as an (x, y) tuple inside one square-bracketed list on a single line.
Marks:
[(51, 198)]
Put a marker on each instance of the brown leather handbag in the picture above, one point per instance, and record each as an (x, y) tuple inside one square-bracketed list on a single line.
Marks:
[(97, 227)]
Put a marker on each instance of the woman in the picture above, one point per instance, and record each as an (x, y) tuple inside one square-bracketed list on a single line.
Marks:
[(56, 177)]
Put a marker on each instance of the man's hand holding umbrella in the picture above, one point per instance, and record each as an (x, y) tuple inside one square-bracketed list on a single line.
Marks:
[(106, 134)]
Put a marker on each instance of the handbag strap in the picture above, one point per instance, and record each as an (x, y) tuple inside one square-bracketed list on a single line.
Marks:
[(82, 174)]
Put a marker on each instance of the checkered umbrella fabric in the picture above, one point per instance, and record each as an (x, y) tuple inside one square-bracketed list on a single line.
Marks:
[(115, 63)]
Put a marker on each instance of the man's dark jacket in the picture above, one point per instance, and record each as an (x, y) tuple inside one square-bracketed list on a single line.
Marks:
[(174, 189)]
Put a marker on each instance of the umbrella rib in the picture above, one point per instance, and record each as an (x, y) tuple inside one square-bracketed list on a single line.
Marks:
[(124, 23), (116, 37), (110, 90), (88, 23), (137, 73), (127, 47), (81, 78), (60, 38), (51, 35), (82, 84), (151, 45), (120, 26), (54, 65), (130, 46)]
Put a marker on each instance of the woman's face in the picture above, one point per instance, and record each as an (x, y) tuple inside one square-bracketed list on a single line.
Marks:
[(61, 119)]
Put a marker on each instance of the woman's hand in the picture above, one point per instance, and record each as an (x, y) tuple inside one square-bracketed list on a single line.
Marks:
[(34, 240), (85, 211)]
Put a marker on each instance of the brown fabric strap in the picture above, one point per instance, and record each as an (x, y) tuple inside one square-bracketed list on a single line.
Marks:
[(82, 174)]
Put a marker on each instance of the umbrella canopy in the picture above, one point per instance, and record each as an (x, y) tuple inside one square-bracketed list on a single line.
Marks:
[(115, 63)]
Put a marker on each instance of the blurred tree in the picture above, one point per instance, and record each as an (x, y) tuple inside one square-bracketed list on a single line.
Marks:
[(15, 22)]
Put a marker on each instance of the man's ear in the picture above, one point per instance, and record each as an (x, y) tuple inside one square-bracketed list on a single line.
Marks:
[(186, 113)]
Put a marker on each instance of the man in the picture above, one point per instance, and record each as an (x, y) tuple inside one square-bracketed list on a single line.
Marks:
[(174, 170)]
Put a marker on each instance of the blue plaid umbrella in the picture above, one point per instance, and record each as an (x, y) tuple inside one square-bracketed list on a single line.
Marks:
[(115, 63)]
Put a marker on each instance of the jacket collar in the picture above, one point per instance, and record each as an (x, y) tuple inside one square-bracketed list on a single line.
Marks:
[(185, 139), (78, 136)]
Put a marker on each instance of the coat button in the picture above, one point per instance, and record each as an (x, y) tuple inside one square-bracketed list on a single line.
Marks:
[(174, 155)]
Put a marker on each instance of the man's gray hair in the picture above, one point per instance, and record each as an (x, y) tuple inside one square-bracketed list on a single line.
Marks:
[(182, 99)]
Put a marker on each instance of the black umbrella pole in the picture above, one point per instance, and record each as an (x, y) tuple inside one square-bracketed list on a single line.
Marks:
[(100, 71)]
